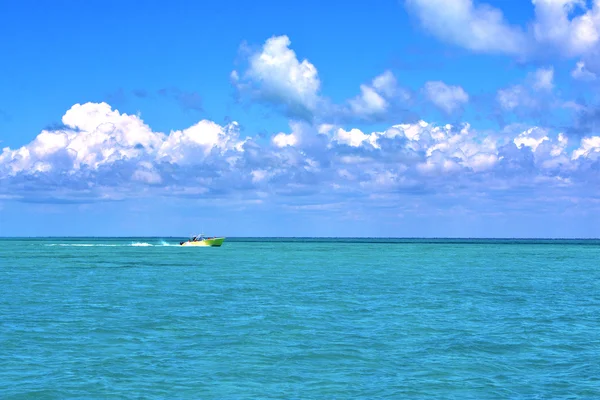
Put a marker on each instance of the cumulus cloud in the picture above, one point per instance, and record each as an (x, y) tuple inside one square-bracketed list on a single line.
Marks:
[(100, 146), (369, 102), (275, 75), (554, 27), (378, 98), (103, 154), (589, 148), (93, 135), (283, 139)]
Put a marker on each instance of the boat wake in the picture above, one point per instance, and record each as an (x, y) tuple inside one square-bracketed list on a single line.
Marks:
[(82, 245), (133, 244), (144, 244)]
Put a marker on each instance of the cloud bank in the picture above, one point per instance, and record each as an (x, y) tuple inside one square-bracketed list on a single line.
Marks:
[(102, 154)]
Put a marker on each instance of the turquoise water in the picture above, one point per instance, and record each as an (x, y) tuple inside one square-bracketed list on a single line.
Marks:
[(299, 319)]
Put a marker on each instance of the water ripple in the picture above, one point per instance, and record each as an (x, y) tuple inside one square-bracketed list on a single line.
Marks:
[(102, 318)]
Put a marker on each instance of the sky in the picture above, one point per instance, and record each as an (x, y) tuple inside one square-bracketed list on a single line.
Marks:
[(387, 118)]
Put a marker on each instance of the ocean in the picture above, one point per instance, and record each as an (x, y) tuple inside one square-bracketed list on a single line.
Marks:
[(143, 318)]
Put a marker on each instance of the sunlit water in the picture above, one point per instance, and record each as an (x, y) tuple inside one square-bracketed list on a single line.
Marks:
[(297, 319)]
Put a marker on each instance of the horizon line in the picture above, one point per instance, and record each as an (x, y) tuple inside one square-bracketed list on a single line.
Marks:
[(299, 237)]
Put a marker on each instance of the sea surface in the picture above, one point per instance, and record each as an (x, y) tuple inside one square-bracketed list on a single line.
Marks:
[(143, 318)]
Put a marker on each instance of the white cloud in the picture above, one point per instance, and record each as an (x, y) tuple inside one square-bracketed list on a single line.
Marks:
[(531, 138), (369, 102), (195, 143), (566, 27), (445, 97), (375, 99), (589, 148), (535, 92), (478, 27), (259, 175), (513, 96), (354, 137), (276, 75), (543, 79), (114, 148), (283, 139), (582, 73), (386, 84), (572, 36), (302, 135), (114, 154), (95, 135)]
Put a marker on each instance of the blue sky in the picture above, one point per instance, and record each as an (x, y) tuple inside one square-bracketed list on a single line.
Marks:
[(393, 118)]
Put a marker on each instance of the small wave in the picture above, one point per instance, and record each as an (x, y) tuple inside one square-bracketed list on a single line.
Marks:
[(141, 244)]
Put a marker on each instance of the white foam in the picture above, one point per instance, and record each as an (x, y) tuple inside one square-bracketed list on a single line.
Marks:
[(82, 245)]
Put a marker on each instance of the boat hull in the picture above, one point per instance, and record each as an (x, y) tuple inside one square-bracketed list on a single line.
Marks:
[(215, 242)]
